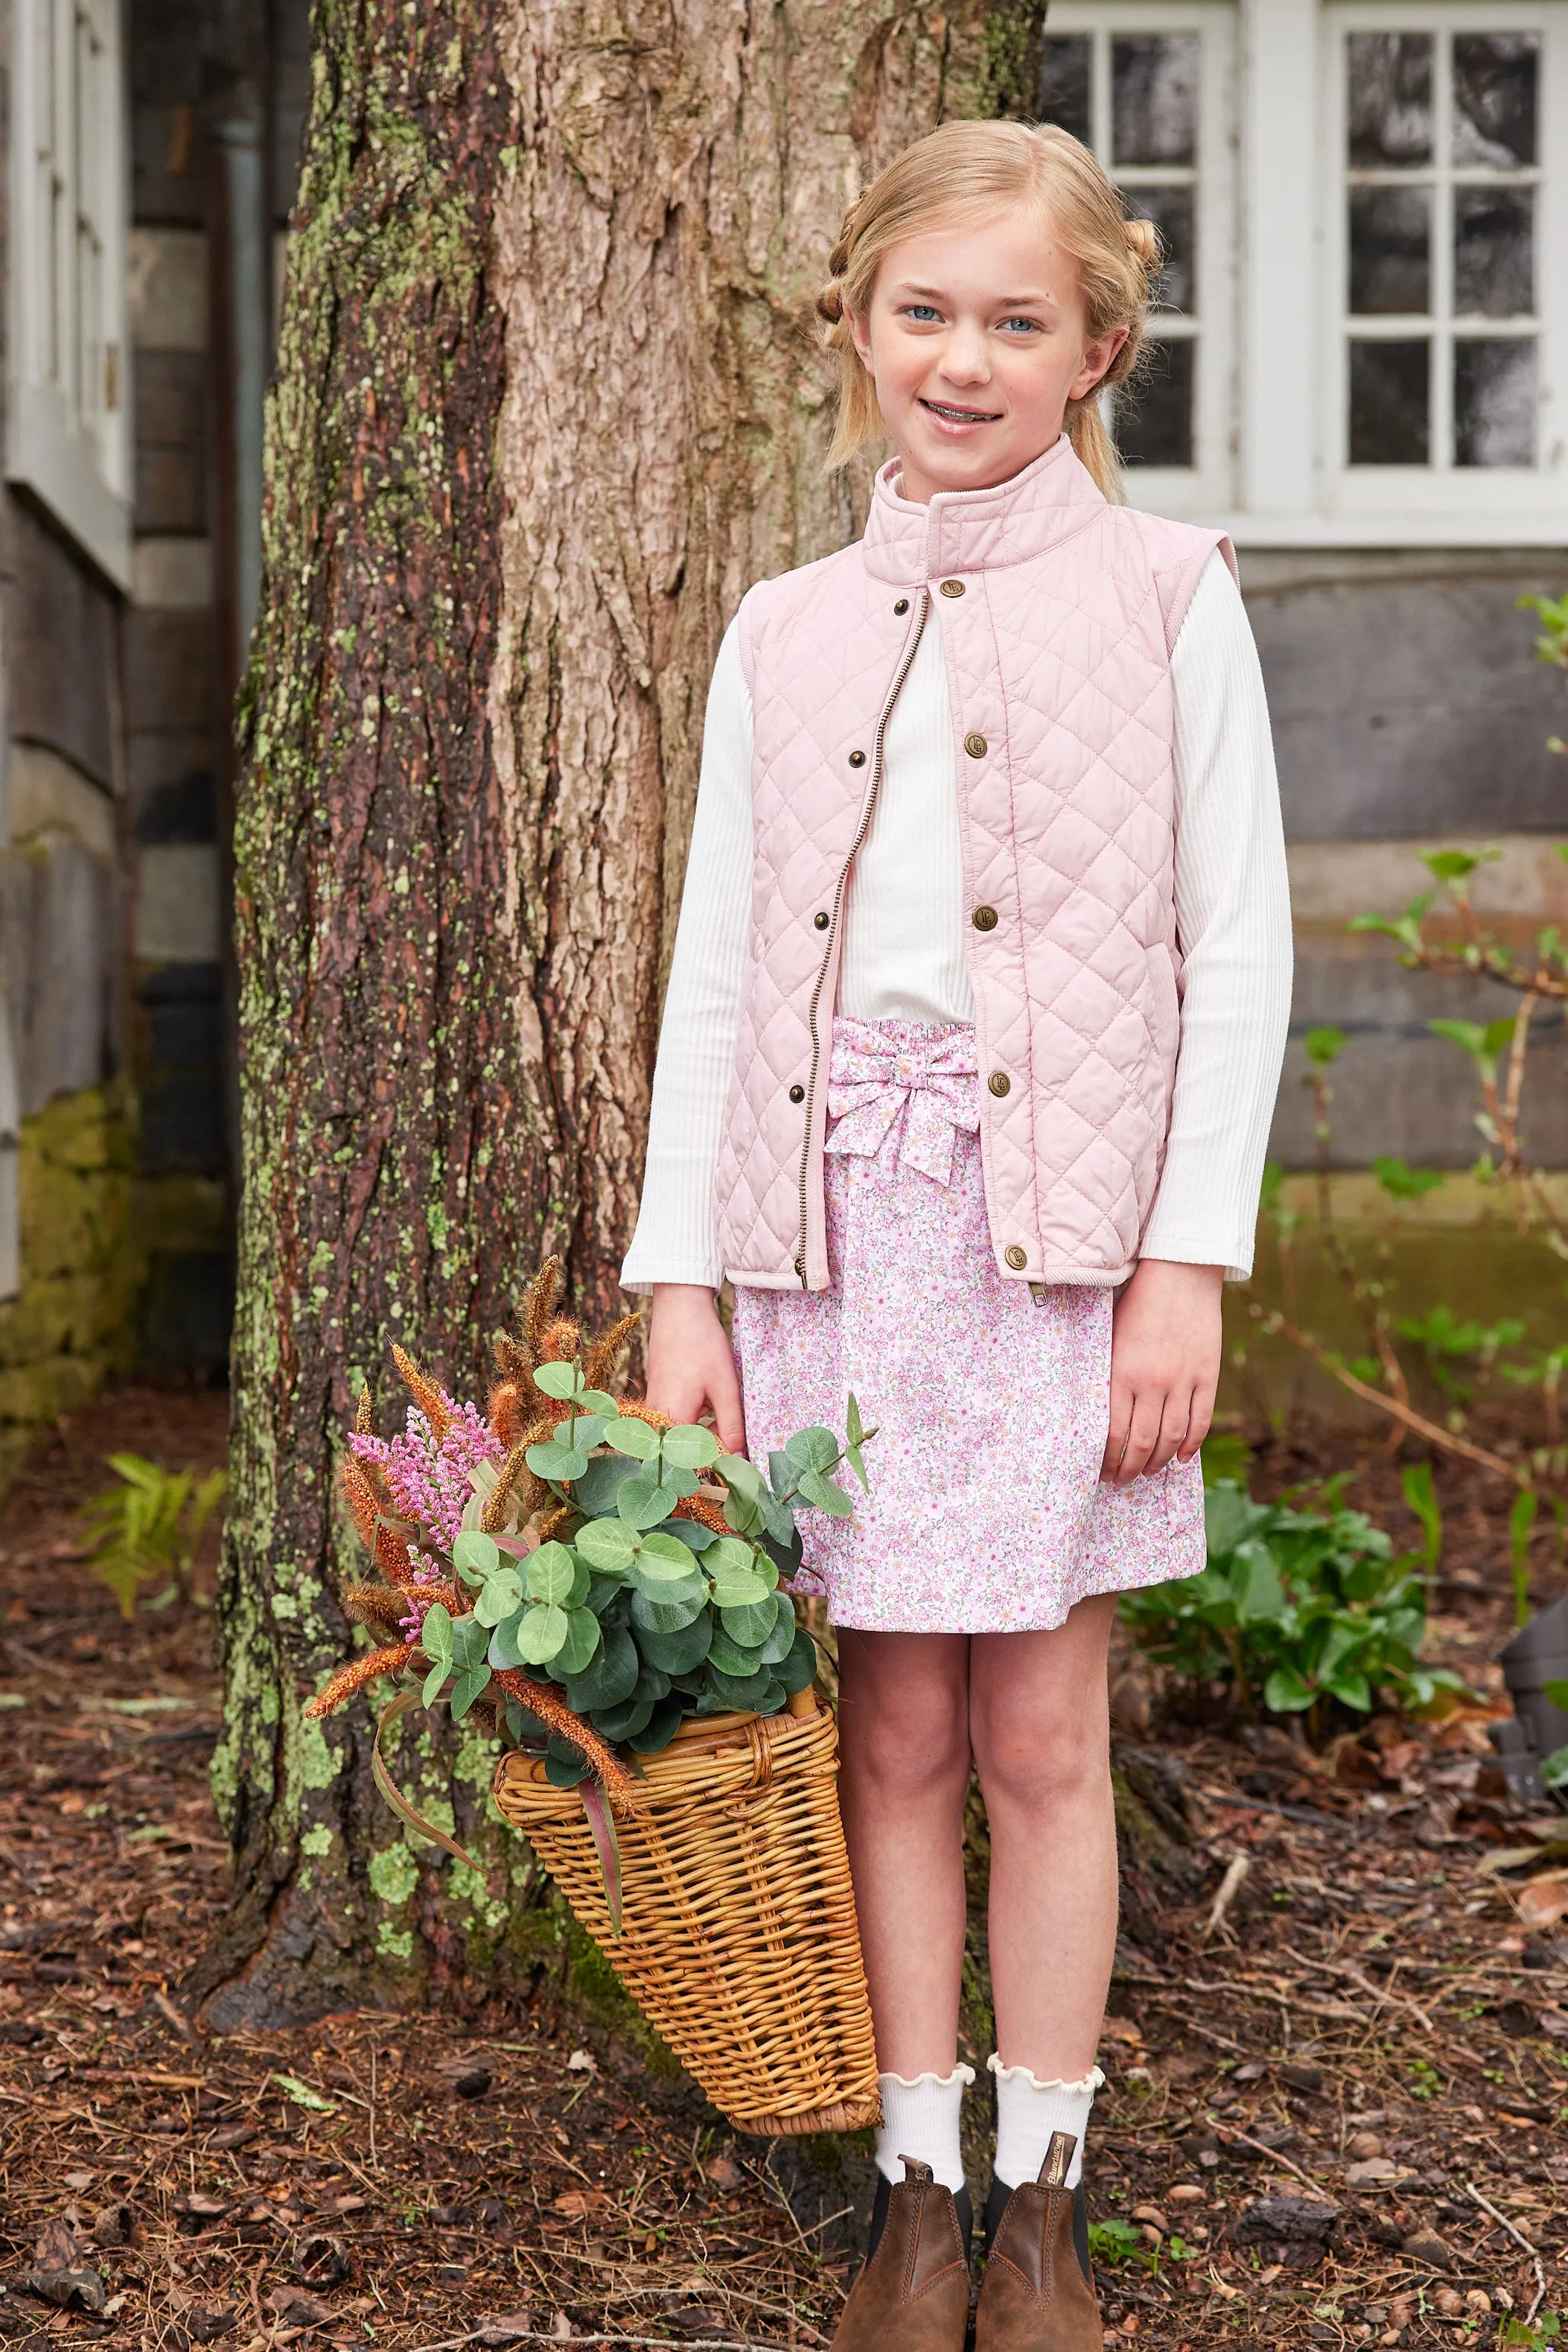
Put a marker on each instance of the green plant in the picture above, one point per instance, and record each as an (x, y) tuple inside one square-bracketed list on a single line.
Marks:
[(1531, 2335), (150, 1525), (1302, 1609), (1521, 1520), (1421, 1496), (1119, 2242)]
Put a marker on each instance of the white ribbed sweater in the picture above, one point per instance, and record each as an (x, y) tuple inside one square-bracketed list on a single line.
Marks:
[(904, 941)]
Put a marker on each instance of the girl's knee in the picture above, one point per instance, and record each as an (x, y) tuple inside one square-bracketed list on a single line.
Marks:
[(1043, 1766), (907, 1742)]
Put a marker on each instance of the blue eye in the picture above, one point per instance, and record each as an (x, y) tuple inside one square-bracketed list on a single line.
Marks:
[(1030, 326), (920, 311)]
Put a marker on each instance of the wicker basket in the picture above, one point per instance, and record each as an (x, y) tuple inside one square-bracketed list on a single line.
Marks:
[(738, 1938)]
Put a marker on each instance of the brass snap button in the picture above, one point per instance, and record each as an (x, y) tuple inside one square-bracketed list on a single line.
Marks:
[(1015, 1255), (857, 759), (952, 587), (902, 606), (820, 921), (797, 1093), (984, 919), (999, 1083), (976, 746)]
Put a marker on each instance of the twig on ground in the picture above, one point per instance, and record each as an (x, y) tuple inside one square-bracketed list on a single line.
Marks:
[(1520, 2240), (178, 2021), (1236, 1871), (1274, 2155)]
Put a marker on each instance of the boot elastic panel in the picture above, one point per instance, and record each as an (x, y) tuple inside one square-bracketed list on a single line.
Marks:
[(961, 2200), (997, 2205)]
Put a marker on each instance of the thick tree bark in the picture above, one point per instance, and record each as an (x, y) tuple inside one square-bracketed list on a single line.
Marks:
[(546, 402)]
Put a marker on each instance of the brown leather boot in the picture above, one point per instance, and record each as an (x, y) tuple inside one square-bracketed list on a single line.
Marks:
[(914, 2294), (1034, 2297)]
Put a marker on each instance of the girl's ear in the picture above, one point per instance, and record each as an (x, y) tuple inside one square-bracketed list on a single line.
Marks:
[(860, 331), (1097, 357)]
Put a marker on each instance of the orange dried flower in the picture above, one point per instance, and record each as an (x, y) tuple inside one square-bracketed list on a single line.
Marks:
[(707, 1510), (375, 1604), (550, 1707), (351, 1679), (538, 1305), (509, 1403), (431, 1399), (601, 1356)]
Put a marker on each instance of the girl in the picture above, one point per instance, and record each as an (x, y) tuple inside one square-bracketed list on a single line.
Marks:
[(972, 1039)]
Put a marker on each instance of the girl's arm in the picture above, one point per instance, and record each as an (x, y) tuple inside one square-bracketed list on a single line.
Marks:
[(674, 1250), (1233, 924)]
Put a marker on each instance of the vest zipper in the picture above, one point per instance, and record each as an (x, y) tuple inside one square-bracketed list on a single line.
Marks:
[(867, 811)]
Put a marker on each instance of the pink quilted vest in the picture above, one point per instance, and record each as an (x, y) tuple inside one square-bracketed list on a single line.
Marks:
[(1059, 614)]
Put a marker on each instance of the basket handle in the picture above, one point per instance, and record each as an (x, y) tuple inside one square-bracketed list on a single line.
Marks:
[(803, 1702)]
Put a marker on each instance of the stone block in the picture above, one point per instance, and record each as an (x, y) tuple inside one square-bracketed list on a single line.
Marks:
[(170, 489), (180, 806), (166, 271), (62, 653), (171, 669), (171, 394), (178, 917), (173, 576), (61, 921)]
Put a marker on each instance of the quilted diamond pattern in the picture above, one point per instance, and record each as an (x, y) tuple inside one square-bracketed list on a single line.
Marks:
[(1059, 653)]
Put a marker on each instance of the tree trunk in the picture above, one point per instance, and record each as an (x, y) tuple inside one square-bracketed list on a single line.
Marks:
[(546, 402)]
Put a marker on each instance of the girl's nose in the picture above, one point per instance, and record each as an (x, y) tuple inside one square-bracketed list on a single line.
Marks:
[(964, 359)]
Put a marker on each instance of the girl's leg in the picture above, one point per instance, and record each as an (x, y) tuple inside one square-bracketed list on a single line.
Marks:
[(1039, 1724), (903, 1738)]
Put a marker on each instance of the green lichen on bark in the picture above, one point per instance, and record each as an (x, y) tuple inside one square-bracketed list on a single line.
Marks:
[(379, 1059)]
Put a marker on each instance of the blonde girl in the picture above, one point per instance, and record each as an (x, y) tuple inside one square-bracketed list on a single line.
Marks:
[(972, 1039)]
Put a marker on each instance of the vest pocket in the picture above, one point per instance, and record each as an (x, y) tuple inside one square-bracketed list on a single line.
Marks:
[(1165, 1011)]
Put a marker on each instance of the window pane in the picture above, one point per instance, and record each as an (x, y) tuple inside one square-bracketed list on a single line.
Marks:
[(1388, 78), (1390, 244), (1170, 209), (1494, 252), (1064, 83), (1494, 97), (1389, 404), (1494, 403), (1154, 417), (1154, 98)]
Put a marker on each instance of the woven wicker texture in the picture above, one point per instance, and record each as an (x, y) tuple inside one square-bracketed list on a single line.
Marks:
[(739, 1940)]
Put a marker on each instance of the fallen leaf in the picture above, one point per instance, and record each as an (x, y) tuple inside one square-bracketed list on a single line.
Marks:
[(1122, 2028), (576, 2203), (303, 2095), (1542, 1901)]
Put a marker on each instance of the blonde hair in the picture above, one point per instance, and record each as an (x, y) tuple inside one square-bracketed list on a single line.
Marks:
[(965, 169)]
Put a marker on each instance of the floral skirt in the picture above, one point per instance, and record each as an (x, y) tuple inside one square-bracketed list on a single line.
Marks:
[(990, 1400)]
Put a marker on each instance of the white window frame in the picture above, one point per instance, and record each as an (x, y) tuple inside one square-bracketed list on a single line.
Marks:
[(1295, 490), (68, 435), (1209, 483)]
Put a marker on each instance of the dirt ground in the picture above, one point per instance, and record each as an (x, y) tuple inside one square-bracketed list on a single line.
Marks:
[(1335, 2118)]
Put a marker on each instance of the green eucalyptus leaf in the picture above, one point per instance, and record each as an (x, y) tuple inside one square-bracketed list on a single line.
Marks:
[(566, 1767), (781, 1640), (666, 1558), (598, 1401), (661, 1728), (475, 1555), (610, 1676), (584, 1635), (634, 1437), (470, 1640), (624, 1721), (431, 1690), (653, 1612), (643, 1501), (541, 1633), (498, 1596), (797, 1670), (467, 1689), (690, 1448), (737, 1690), (726, 1657), (680, 1649), (609, 1546), (812, 1449), (551, 1573), (738, 1588), (558, 1380), (435, 1634), (549, 1459), (750, 1625)]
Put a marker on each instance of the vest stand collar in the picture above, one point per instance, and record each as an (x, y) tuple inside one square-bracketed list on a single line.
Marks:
[(970, 530)]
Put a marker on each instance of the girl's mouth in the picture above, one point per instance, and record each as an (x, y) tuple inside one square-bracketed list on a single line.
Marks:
[(954, 419)]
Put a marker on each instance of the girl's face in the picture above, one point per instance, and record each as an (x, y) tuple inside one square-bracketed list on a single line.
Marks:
[(975, 340)]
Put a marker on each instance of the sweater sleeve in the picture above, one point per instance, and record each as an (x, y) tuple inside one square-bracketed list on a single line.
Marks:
[(1233, 928), (676, 1238)]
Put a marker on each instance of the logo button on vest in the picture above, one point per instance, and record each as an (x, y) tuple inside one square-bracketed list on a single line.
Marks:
[(985, 919), (999, 1083), (976, 746), (1015, 1255), (952, 587)]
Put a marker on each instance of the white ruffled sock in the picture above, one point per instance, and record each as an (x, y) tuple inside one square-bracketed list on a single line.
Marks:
[(920, 2118), (1028, 2111)]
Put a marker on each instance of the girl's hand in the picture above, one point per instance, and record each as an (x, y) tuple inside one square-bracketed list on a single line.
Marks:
[(690, 1364), (1164, 1368)]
